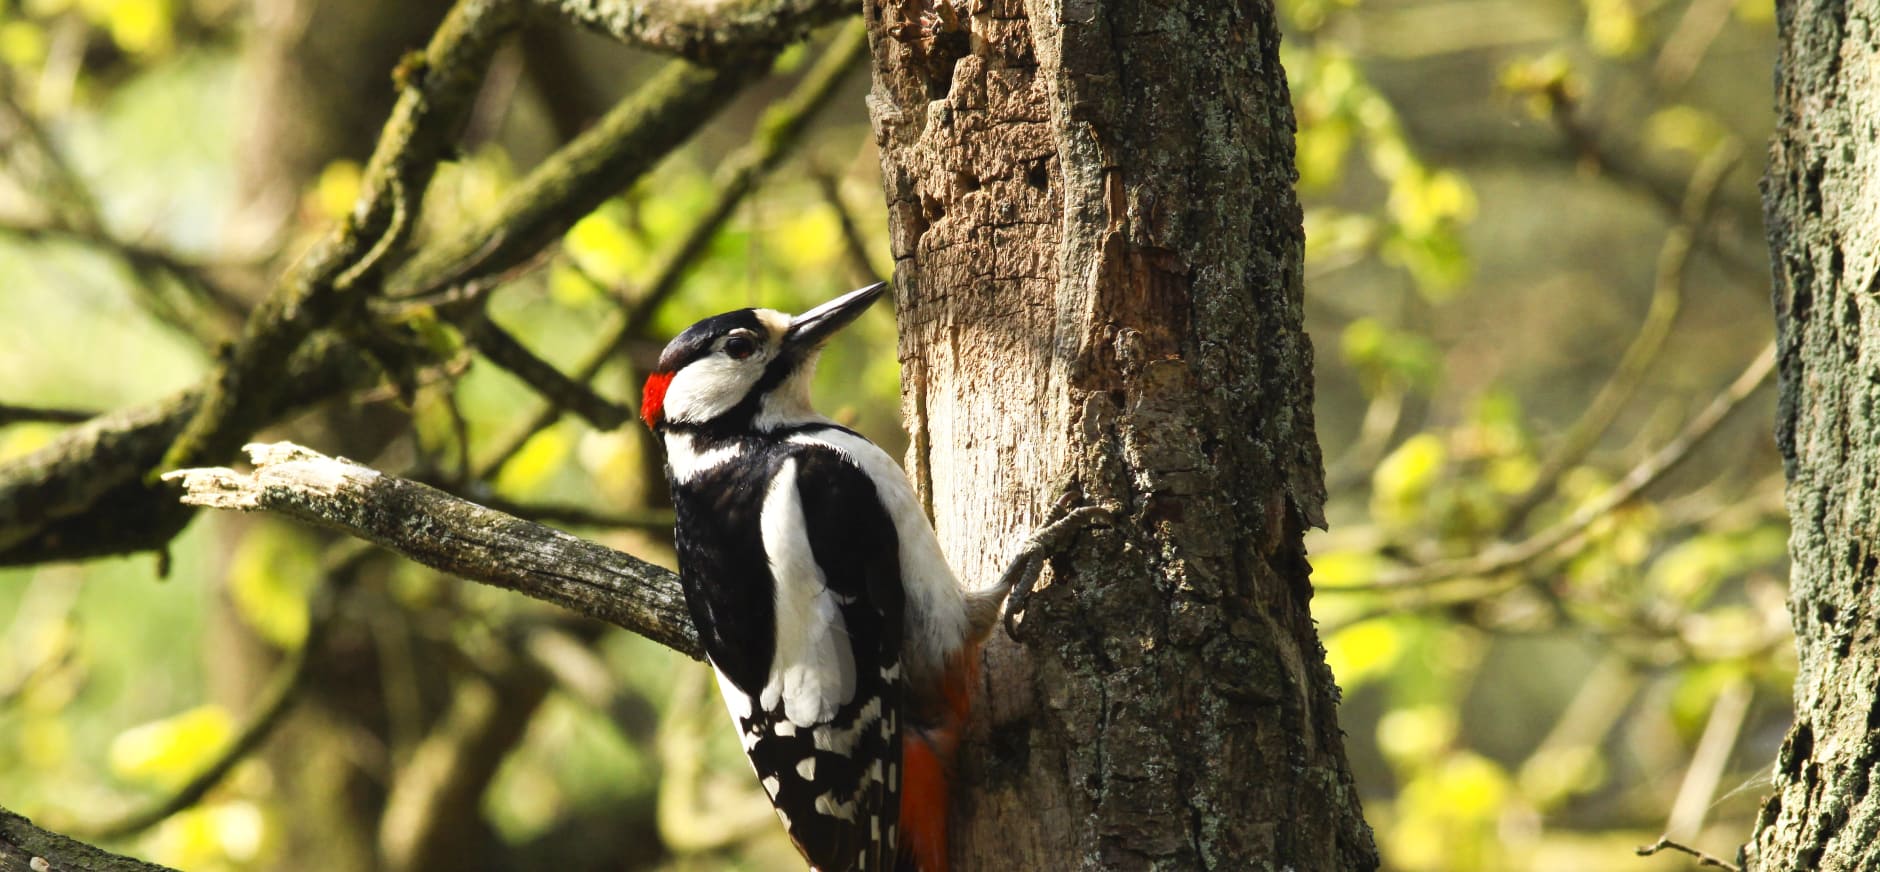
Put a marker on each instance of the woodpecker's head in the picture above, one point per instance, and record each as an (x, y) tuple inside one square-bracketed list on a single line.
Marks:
[(748, 369)]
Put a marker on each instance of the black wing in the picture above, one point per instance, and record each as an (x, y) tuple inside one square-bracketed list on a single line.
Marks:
[(834, 777)]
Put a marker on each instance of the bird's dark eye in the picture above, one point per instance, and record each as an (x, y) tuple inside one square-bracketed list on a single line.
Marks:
[(740, 347)]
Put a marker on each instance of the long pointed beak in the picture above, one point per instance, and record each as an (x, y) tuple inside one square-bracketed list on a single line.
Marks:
[(812, 328)]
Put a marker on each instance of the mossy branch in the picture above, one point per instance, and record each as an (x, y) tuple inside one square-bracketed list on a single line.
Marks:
[(27, 848), (83, 494), (600, 163), (439, 88), (715, 32)]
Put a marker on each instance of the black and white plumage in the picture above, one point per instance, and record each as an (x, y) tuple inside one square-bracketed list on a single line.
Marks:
[(819, 590)]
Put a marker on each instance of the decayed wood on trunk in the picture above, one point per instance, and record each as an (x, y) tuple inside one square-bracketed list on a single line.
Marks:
[(1097, 256), (1822, 213)]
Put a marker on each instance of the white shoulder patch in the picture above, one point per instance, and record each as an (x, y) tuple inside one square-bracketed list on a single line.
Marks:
[(812, 672), (687, 463)]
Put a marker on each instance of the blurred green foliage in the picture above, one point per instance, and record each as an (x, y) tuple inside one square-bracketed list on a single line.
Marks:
[(1546, 714)]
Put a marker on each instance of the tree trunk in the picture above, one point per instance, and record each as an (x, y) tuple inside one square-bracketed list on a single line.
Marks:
[(1097, 258), (1820, 205)]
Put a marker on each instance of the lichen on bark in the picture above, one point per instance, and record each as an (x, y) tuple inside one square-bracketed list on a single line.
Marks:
[(1822, 213)]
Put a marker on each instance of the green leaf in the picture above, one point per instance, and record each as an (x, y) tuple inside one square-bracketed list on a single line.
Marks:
[(166, 752), (1364, 651), (1613, 27), (1387, 357), (600, 244), (1685, 129), (1405, 477)]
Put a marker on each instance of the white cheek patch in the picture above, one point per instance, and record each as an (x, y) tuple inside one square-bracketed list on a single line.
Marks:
[(711, 386)]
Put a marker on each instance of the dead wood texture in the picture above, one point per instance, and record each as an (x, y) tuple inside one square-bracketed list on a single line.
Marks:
[(1097, 257)]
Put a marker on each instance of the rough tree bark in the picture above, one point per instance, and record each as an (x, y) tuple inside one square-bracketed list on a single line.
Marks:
[(1822, 213), (1097, 255)]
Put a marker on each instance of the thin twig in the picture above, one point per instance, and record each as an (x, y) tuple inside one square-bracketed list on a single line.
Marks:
[(282, 691), (1709, 759), (1697, 30), (854, 248), (11, 414), (508, 352), (1703, 859), (1588, 146), (1502, 557), (1382, 415), (1674, 260), (76, 215)]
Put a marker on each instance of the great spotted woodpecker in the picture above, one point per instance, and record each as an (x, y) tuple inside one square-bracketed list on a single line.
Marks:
[(844, 646)]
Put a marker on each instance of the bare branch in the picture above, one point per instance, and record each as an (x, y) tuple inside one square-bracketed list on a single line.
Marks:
[(1703, 859), (27, 848), (73, 213), (11, 414), (509, 353), (603, 161), (84, 495), (454, 536), (1674, 260), (1505, 556), (440, 788), (715, 32), (569, 659)]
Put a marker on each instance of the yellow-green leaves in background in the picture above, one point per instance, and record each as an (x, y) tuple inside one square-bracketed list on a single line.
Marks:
[(1542, 82), (166, 752), (1363, 651), (1385, 357), (213, 837), (1403, 481), (336, 190), (602, 247), (1613, 27), (1684, 128)]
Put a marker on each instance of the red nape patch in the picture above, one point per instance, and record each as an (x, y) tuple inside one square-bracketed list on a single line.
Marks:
[(654, 399)]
